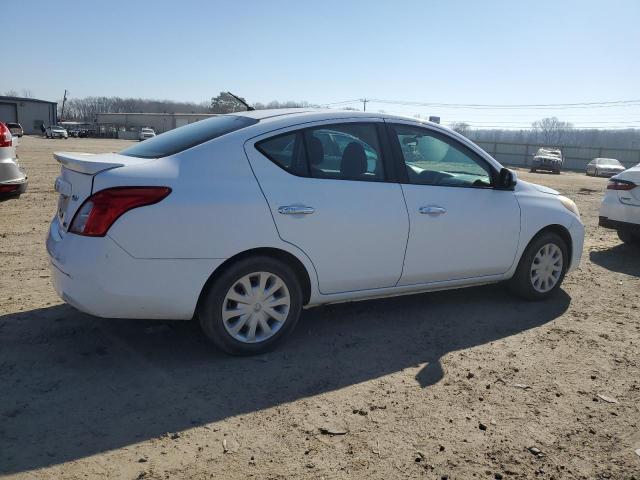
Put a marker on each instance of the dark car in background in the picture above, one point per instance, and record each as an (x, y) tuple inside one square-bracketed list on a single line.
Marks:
[(549, 159), (15, 129)]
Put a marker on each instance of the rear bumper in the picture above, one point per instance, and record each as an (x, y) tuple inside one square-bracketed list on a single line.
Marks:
[(13, 189), (605, 222), (98, 277), (607, 173), (614, 213), (546, 166), (577, 244)]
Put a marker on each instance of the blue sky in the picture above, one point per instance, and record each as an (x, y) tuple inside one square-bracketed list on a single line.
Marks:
[(489, 52)]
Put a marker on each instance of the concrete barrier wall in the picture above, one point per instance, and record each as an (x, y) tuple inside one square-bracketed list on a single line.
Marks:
[(575, 158)]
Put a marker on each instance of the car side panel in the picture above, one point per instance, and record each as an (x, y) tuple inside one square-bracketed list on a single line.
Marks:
[(216, 209), (537, 214)]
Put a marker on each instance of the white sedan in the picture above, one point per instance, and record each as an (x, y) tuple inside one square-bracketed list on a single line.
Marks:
[(604, 167), (146, 133), (241, 220), (620, 209), (56, 131)]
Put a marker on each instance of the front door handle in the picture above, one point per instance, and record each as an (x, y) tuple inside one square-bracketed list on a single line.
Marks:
[(296, 210), (432, 210)]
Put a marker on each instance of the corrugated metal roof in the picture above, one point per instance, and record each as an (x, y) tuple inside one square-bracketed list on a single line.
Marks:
[(23, 99)]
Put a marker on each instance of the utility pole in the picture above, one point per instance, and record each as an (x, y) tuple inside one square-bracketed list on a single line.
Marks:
[(64, 100), (364, 104)]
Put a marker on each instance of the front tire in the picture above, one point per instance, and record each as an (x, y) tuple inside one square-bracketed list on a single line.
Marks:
[(629, 238), (542, 267), (251, 306)]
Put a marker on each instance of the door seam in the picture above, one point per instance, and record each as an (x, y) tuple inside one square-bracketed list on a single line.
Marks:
[(406, 246)]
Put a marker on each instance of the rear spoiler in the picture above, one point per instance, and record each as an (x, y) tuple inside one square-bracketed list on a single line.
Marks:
[(90, 163)]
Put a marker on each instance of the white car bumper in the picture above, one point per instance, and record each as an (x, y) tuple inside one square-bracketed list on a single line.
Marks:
[(613, 210), (577, 243), (96, 276)]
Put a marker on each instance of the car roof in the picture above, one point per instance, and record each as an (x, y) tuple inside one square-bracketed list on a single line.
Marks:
[(282, 117)]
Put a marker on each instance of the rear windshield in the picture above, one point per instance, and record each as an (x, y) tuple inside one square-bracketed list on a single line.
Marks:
[(182, 138)]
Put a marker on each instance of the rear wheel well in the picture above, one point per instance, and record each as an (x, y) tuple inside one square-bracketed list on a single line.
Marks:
[(563, 233), (285, 257)]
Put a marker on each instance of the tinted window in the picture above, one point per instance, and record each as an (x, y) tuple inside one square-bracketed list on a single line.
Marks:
[(348, 151), (182, 138), (286, 151), (434, 159)]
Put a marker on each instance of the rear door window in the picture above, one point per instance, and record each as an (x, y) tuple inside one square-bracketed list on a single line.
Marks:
[(183, 138), (287, 151), (349, 151)]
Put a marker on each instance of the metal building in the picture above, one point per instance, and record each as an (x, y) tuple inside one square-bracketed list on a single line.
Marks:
[(28, 112), (125, 123)]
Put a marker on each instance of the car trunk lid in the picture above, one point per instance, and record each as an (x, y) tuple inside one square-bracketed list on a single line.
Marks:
[(75, 183)]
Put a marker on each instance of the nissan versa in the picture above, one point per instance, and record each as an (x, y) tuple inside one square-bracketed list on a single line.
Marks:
[(241, 220)]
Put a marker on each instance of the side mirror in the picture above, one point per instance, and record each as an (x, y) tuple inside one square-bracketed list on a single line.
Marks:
[(507, 179)]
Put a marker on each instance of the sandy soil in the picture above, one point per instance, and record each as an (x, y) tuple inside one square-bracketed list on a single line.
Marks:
[(458, 385)]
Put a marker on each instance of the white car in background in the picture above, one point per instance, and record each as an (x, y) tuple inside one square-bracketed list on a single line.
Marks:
[(13, 181), (56, 131), (620, 209), (146, 133), (604, 167), (241, 220)]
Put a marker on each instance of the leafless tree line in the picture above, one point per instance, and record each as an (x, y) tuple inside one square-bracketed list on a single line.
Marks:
[(25, 93), (553, 132), (85, 109)]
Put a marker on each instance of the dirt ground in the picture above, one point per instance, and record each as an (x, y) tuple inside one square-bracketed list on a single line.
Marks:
[(462, 384)]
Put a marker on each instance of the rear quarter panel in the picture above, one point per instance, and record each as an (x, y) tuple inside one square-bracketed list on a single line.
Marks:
[(215, 210)]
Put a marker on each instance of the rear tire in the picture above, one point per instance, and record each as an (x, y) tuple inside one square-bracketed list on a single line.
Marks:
[(533, 170), (542, 267), (266, 294), (629, 238)]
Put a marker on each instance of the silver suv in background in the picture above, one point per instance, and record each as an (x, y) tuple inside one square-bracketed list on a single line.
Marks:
[(13, 181), (549, 159)]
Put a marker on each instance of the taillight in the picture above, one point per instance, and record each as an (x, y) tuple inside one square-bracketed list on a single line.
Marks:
[(11, 187), (98, 212), (621, 185), (5, 136)]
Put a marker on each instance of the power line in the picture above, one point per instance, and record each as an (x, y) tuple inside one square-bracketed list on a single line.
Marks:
[(561, 106), (607, 104)]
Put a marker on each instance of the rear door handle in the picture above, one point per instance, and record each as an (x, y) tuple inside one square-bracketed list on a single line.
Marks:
[(432, 210), (296, 210)]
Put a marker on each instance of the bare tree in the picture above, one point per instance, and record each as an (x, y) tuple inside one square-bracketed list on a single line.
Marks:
[(225, 103), (462, 128), (11, 93), (26, 93), (552, 130)]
